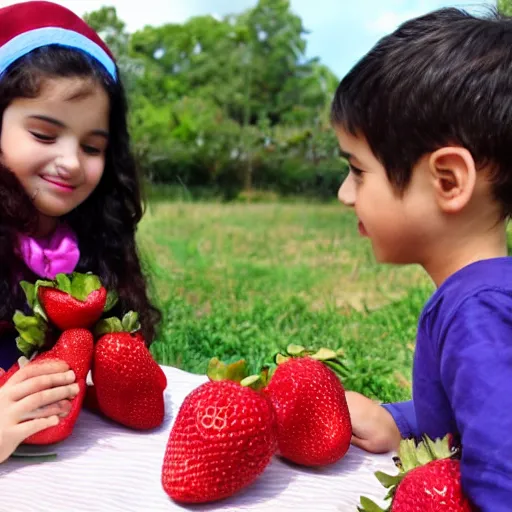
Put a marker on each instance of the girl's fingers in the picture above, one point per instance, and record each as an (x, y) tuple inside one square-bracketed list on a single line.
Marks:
[(37, 369), (60, 409), (38, 383), (44, 398), (29, 428)]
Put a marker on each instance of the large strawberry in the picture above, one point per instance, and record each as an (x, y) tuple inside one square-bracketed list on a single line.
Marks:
[(222, 439), (428, 481), (75, 347), (128, 383), (314, 427), (69, 301)]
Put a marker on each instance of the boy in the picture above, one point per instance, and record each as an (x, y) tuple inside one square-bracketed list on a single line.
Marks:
[(425, 120)]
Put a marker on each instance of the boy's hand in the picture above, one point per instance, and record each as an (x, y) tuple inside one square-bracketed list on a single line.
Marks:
[(32, 400), (373, 427)]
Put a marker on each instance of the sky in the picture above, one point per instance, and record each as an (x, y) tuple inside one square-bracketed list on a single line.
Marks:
[(340, 31)]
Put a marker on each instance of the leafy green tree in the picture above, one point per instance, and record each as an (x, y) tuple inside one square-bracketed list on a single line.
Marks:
[(228, 103), (505, 7)]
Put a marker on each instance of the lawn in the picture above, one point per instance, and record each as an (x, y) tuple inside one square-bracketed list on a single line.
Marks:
[(244, 280)]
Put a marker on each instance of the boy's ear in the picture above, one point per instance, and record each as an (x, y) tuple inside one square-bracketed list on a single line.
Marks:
[(453, 173)]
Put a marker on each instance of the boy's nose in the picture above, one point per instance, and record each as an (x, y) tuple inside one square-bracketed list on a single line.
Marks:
[(347, 191)]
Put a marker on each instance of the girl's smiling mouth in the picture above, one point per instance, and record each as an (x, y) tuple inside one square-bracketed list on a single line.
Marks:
[(58, 184)]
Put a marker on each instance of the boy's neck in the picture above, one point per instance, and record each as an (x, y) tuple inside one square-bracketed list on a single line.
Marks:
[(454, 253)]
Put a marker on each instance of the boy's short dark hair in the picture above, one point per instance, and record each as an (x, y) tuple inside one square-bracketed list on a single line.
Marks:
[(442, 78)]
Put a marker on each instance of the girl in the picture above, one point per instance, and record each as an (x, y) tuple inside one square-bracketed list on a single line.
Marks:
[(73, 196)]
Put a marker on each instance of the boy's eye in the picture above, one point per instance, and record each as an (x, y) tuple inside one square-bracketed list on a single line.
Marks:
[(355, 171), (42, 137)]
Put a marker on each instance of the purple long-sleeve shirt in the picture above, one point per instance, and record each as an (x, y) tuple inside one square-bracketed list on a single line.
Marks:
[(462, 378)]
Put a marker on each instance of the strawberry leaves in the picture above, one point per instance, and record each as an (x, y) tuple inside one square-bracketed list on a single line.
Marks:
[(129, 323), (218, 370), (31, 293), (367, 505), (236, 372), (331, 358), (32, 332)]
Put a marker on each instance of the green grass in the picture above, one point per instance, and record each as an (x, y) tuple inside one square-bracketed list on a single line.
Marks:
[(237, 280)]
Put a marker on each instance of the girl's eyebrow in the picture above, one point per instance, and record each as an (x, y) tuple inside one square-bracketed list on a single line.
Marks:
[(60, 124), (50, 120)]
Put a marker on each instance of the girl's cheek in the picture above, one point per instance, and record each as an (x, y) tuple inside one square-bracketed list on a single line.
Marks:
[(95, 173)]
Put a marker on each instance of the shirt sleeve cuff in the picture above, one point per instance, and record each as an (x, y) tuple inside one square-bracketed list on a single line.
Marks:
[(404, 416)]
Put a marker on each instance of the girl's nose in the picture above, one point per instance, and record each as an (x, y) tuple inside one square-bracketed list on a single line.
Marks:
[(68, 164)]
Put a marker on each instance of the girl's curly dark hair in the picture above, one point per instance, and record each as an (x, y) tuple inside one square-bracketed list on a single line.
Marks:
[(17, 214), (106, 222)]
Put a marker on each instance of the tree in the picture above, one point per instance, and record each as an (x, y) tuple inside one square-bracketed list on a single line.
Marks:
[(229, 102), (505, 7), (110, 28)]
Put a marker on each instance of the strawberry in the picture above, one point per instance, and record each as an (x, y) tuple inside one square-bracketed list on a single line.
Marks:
[(128, 383), (75, 347), (428, 481), (91, 400), (77, 300), (222, 439), (10, 372), (313, 420)]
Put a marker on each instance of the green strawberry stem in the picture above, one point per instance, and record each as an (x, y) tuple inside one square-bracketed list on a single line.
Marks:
[(329, 357), (129, 323), (411, 455), (236, 372)]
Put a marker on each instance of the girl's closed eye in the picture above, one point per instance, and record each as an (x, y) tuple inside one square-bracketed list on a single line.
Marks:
[(41, 137), (92, 150)]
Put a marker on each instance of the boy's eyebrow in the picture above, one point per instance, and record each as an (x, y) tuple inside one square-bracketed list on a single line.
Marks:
[(60, 124), (349, 157)]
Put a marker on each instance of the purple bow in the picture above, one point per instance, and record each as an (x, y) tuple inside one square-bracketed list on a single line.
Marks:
[(50, 256)]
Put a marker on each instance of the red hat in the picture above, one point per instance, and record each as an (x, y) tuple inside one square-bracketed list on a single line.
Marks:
[(30, 25)]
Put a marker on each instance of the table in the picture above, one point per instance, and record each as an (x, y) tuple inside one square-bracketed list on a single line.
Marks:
[(104, 467)]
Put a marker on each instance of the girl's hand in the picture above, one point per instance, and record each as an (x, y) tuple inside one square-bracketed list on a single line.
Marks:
[(33, 399), (373, 427)]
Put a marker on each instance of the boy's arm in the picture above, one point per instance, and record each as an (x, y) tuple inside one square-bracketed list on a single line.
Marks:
[(373, 427), (405, 418), (476, 371)]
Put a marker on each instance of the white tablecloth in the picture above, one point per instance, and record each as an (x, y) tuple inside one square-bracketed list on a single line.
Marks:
[(104, 467)]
